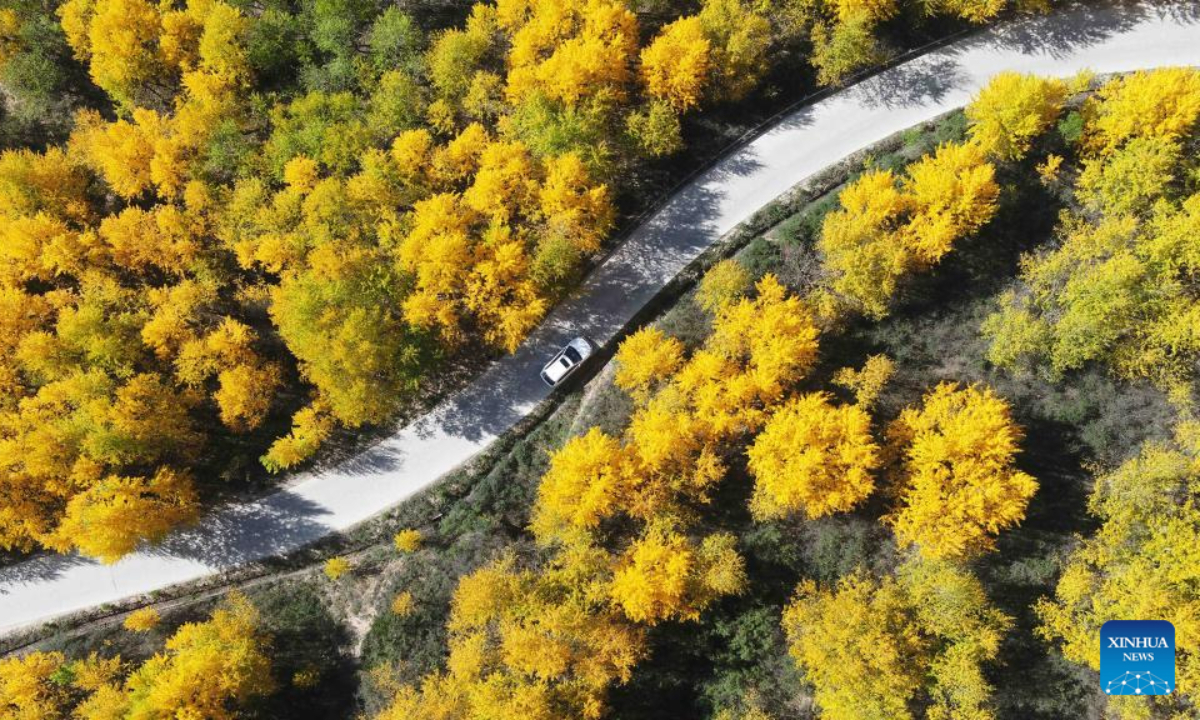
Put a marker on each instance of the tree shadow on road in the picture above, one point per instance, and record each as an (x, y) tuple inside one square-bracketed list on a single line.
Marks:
[(1060, 34), (238, 534), (39, 568), (924, 80)]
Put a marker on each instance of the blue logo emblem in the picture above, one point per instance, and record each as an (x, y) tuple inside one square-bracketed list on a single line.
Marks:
[(1137, 657)]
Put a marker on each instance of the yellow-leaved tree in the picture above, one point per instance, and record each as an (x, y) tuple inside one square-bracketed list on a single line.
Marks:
[(28, 689), (868, 381), (120, 41), (740, 35), (871, 646), (859, 243), (142, 620), (722, 284), (113, 516), (1116, 286), (584, 485), (977, 11), (666, 576), (676, 65), (958, 485), (1163, 103), (858, 645), (887, 227), (208, 669), (814, 458), (951, 194), (568, 52), (1012, 110), (1143, 562), (646, 360), (528, 643)]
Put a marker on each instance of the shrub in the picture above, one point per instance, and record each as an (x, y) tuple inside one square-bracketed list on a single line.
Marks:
[(142, 620), (408, 540), (402, 604), (336, 567)]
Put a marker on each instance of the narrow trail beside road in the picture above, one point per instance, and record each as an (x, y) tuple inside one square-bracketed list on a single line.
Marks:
[(1101, 37)]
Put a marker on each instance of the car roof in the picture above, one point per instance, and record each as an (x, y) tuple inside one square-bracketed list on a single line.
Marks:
[(555, 369)]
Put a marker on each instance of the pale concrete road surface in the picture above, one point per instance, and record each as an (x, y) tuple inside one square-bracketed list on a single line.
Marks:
[(1102, 38)]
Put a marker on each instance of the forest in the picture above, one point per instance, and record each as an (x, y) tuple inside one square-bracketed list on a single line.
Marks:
[(234, 230), (879, 463), (746, 528)]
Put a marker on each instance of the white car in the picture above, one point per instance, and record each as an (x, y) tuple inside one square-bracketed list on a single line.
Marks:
[(567, 359)]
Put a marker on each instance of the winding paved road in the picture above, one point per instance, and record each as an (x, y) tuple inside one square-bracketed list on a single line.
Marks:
[(1100, 37)]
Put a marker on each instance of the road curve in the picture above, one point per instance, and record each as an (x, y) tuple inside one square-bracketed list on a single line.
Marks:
[(1103, 38)]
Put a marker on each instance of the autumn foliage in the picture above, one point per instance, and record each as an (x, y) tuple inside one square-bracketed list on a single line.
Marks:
[(231, 260), (167, 276), (1141, 562), (529, 644), (142, 620), (887, 227), (959, 485), (870, 646), (1116, 286), (617, 516), (308, 253), (813, 457), (1012, 110), (844, 33), (207, 669), (688, 413), (663, 575), (297, 216)]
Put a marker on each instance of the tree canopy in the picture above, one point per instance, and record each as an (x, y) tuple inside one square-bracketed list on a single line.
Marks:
[(959, 485), (870, 646), (210, 669)]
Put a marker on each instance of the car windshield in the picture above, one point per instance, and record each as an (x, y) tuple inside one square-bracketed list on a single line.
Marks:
[(572, 355)]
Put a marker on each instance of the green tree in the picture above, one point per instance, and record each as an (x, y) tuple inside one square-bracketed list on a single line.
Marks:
[(395, 41), (359, 354)]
